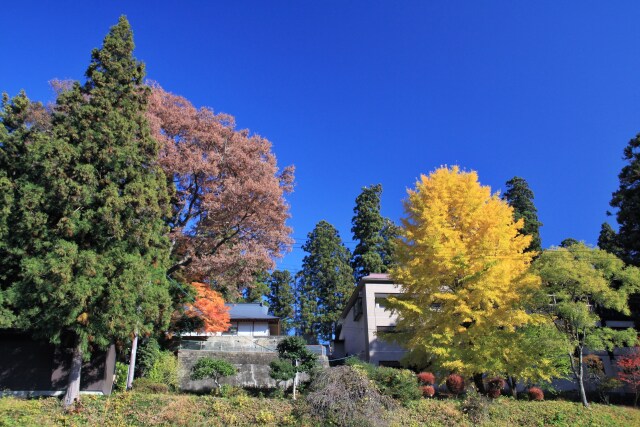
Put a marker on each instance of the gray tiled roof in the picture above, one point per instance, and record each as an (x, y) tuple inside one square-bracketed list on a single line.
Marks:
[(253, 311)]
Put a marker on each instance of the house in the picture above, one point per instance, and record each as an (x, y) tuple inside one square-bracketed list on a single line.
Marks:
[(247, 319), (363, 318), (31, 367)]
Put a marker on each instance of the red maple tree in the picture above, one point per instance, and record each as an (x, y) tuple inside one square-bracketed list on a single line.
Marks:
[(629, 371), (209, 306), (229, 210)]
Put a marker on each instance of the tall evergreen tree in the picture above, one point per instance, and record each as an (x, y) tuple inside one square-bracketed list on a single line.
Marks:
[(608, 240), (373, 232), (324, 284), (281, 298), (520, 198), (627, 200), (96, 271), (23, 131)]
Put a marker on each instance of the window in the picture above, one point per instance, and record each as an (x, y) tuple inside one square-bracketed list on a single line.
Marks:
[(386, 329), (381, 300)]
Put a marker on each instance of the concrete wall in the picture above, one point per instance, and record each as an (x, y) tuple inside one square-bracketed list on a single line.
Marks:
[(253, 369), (250, 355)]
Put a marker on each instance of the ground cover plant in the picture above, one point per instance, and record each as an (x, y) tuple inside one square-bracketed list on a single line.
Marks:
[(150, 409)]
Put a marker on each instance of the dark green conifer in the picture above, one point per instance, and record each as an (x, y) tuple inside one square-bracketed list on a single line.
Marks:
[(281, 298), (374, 233), (627, 200), (324, 284), (96, 272), (520, 198)]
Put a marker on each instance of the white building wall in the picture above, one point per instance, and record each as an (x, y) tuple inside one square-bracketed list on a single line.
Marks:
[(377, 316)]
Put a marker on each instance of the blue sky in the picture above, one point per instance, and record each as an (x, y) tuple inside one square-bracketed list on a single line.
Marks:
[(358, 93)]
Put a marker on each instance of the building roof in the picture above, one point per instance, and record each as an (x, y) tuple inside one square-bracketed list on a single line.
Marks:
[(249, 311)]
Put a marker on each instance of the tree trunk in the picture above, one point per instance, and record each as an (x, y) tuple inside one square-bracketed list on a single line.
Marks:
[(295, 381), (583, 394), (513, 385), (477, 379), (132, 361), (73, 386)]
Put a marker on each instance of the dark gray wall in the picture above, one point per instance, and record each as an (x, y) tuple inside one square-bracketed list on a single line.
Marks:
[(38, 367)]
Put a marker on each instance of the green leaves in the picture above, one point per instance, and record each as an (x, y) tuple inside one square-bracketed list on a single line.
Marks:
[(208, 367), (325, 282), (87, 252), (293, 356), (374, 233)]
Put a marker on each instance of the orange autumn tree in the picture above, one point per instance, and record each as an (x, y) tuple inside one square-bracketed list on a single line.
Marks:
[(209, 306)]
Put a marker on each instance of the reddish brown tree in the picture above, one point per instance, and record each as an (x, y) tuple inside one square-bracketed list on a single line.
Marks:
[(229, 210), (629, 371)]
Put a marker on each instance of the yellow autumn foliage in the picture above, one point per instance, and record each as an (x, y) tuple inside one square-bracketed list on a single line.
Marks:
[(465, 272)]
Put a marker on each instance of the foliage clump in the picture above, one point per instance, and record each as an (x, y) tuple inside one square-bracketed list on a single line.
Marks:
[(535, 394), (147, 385), (344, 396), (210, 368), (399, 384), (455, 384), (426, 378), (428, 390), (165, 370), (476, 407), (629, 371), (495, 386)]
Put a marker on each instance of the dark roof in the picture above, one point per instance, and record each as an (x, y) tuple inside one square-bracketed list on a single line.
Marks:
[(249, 311)]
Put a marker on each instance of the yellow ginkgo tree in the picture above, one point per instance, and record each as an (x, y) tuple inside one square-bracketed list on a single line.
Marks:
[(465, 273)]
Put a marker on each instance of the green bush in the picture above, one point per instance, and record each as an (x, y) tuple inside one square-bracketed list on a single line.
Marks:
[(146, 385), (210, 368), (120, 381), (401, 384), (164, 370), (148, 353)]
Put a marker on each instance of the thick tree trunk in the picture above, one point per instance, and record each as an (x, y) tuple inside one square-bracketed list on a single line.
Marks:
[(73, 386), (132, 361), (477, 379), (513, 385)]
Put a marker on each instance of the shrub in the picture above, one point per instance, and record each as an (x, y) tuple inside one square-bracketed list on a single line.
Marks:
[(210, 368), (476, 407), (165, 370), (428, 390), (426, 378), (120, 381), (535, 393), (148, 353), (400, 384), (455, 384), (495, 386), (344, 396), (145, 385)]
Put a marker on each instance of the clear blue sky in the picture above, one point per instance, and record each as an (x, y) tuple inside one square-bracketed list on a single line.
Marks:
[(358, 93)]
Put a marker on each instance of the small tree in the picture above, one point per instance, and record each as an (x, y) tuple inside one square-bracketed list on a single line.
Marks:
[(208, 367), (293, 358), (629, 371), (577, 279)]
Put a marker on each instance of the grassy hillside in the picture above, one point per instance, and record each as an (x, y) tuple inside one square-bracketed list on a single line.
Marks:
[(138, 409)]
